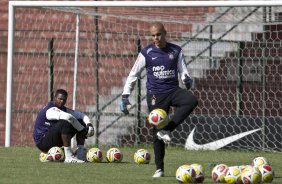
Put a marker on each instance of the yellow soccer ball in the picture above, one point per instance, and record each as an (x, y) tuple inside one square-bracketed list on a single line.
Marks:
[(142, 156), (43, 157), (199, 169), (185, 174), (158, 118), (218, 173), (251, 175), (114, 155), (233, 175), (94, 155), (267, 173), (256, 162), (56, 154)]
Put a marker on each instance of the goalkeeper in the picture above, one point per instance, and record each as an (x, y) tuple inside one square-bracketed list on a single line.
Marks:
[(56, 124), (163, 62)]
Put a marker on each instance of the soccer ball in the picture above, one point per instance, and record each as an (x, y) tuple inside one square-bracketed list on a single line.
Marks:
[(256, 162), (114, 155), (199, 169), (233, 175), (185, 174), (56, 154), (157, 118), (142, 156), (267, 173), (94, 155), (245, 167), (43, 157), (218, 172), (251, 175)]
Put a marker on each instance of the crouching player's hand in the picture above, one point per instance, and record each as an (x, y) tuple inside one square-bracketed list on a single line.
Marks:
[(88, 131)]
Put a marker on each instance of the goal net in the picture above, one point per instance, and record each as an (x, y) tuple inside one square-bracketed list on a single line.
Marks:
[(233, 54)]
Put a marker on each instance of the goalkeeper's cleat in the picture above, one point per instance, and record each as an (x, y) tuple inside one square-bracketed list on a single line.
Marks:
[(164, 135), (73, 160), (159, 173)]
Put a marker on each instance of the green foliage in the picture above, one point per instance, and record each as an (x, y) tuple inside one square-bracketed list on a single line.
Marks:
[(21, 165)]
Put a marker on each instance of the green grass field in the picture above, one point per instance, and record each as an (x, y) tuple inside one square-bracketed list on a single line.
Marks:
[(21, 165)]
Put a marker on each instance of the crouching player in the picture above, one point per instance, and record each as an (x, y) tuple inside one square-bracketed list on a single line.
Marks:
[(56, 124)]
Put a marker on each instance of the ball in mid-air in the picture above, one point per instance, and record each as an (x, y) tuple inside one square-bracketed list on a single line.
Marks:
[(158, 118)]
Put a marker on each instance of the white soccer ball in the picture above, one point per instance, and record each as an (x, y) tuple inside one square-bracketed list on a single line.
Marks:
[(94, 155), (251, 175), (142, 156), (267, 173), (114, 155), (158, 118), (256, 162), (199, 169), (218, 172), (185, 174), (233, 175), (56, 154)]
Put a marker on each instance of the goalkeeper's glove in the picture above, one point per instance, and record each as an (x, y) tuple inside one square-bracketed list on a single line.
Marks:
[(124, 103), (188, 81)]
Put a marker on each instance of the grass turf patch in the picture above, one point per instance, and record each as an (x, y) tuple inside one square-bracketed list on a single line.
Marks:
[(22, 165)]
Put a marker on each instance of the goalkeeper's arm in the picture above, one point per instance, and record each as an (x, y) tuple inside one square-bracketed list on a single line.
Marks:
[(135, 72), (130, 82)]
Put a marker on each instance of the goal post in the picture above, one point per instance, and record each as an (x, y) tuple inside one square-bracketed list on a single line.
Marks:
[(231, 48)]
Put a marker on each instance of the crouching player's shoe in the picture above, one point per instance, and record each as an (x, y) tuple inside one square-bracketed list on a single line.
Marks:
[(159, 173), (81, 157), (73, 160), (81, 153)]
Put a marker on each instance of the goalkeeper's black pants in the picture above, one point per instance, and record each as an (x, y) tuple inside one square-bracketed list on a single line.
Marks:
[(184, 103)]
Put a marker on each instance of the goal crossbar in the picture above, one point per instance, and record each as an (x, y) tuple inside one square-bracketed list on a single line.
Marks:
[(142, 3)]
